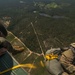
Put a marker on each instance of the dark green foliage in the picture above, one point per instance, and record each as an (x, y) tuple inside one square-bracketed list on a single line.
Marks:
[(56, 28), (57, 32)]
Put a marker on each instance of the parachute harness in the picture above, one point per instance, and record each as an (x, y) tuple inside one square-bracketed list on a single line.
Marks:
[(51, 56)]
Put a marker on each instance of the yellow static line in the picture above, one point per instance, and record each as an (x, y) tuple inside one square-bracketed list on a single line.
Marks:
[(42, 64), (51, 56), (18, 66)]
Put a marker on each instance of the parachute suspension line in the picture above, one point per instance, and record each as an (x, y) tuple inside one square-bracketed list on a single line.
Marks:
[(37, 39), (59, 41)]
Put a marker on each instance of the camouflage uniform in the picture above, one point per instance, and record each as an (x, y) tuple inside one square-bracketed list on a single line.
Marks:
[(53, 66), (67, 60)]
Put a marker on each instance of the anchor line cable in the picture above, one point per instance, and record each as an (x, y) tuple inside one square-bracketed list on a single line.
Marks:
[(37, 39)]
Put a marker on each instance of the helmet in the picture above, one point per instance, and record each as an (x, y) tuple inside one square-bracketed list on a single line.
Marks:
[(3, 30), (73, 45)]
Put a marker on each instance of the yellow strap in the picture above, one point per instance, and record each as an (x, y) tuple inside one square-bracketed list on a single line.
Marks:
[(42, 64), (18, 66), (51, 56)]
